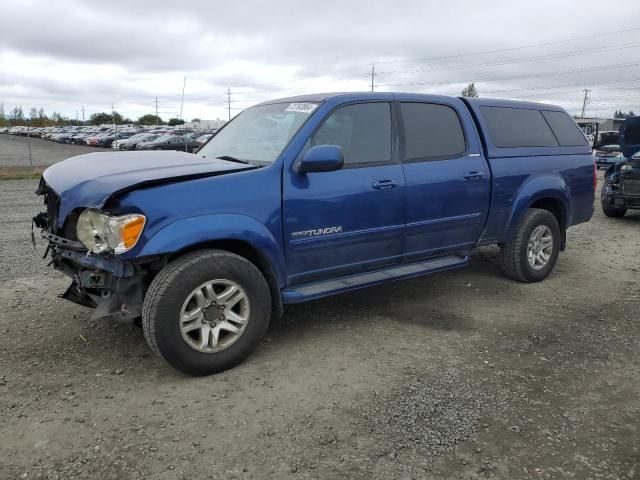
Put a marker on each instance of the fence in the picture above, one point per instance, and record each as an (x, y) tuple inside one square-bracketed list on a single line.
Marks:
[(29, 152)]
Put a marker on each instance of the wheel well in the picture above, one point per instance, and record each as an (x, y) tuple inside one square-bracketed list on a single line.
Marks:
[(556, 208), (248, 251)]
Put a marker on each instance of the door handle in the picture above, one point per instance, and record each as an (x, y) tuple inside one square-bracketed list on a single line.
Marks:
[(473, 175), (384, 184)]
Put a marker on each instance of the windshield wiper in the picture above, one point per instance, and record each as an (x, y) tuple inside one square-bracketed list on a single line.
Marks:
[(229, 158)]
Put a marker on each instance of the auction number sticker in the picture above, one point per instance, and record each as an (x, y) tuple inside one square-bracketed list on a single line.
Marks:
[(301, 107)]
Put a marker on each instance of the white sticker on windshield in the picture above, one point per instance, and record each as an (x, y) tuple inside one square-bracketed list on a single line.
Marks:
[(301, 107)]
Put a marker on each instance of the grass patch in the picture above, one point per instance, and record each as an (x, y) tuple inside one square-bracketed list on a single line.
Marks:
[(20, 173)]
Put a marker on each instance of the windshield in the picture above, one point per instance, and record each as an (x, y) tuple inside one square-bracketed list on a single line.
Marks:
[(259, 134)]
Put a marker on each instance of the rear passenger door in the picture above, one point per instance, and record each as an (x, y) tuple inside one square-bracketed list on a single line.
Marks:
[(447, 179)]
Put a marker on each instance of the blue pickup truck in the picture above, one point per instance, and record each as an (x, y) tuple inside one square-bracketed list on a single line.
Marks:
[(305, 197)]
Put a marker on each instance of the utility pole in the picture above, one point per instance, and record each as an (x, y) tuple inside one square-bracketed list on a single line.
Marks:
[(585, 101), (156, 111), (373, 74), (76, 118), (229, 102), (113, 118), (82, 114), (184, 82)]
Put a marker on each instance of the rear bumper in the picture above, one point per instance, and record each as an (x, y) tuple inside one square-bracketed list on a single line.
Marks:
[(619, 199)]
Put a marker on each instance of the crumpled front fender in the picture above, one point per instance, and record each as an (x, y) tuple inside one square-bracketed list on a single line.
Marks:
[(188, 232)]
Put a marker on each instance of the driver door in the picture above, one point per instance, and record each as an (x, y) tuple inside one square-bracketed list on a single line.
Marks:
[(351, 220)]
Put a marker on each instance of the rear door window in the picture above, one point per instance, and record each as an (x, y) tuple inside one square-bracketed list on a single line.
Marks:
[(518, 127), (431, 132)]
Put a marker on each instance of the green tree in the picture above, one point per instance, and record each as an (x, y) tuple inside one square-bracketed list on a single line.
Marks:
[(103, 117), (621, 114), (195, 119), (150, 119), (42, 118), (16, 117), (175, 121), (3, 118), (470, 91), (98, 118)]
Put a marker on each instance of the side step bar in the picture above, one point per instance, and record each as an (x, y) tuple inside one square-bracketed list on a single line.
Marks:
[(311, 291)]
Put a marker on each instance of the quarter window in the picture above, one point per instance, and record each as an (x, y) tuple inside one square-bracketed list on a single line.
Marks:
[(518, 127), (431, 131), (362, 130), (565, 129)]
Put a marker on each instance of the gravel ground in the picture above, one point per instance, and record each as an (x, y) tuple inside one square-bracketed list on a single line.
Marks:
[(462, 375), (14, 151)]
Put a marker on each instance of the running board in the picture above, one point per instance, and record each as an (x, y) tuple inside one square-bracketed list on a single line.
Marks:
[(311, 291)]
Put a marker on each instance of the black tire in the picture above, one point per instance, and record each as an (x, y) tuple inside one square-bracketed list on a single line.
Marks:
[(608, 209), (170, 289), (513, 255)]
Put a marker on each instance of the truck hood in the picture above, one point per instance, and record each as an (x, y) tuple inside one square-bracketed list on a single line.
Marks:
[(630, 136), (90, 180)]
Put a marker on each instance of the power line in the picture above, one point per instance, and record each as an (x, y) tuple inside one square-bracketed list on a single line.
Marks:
[(519, 77), (569, 85), (511, 49), (585, 101), (551, 56)]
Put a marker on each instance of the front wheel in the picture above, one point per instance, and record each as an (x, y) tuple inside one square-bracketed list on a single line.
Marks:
[(206, 311), (531, 255)]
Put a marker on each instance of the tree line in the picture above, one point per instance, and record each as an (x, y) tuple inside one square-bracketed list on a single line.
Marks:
[(37, 117)]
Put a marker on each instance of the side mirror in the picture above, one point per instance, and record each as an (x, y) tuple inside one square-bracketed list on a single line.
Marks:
[(321, 158)]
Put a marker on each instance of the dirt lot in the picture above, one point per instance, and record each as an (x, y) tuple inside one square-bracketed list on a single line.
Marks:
[(459, 375)]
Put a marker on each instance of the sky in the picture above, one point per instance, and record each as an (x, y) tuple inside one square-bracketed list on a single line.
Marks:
[(65, 55)]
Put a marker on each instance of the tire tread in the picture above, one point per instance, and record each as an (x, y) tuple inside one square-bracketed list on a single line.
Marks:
[(510, 252), (169, 274)]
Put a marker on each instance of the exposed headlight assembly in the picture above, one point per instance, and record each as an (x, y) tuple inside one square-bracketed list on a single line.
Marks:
[(104, 233)]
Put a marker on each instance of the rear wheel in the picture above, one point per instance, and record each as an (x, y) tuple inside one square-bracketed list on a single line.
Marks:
[(531, 255), (206, 311)]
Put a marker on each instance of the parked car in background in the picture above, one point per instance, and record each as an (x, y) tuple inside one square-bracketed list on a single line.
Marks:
[(202, 139), (608, 137), (132, 142), (105, 141), (608, 155), (621, 189), (170, 142)]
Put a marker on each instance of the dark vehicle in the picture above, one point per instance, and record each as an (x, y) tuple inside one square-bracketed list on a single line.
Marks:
[(170, 142), (132, 142), (107, 140), (606, 138), (307, 197), (621, 189), (202, 139)]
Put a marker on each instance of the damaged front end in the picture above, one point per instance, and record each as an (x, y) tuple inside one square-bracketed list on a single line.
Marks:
[(622, 185), (110, 285)]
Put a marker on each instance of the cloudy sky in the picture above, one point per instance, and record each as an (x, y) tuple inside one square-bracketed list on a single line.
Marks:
[(62, 55)]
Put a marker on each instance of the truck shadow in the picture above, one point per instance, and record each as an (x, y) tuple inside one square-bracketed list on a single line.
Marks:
[(433, 301)]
